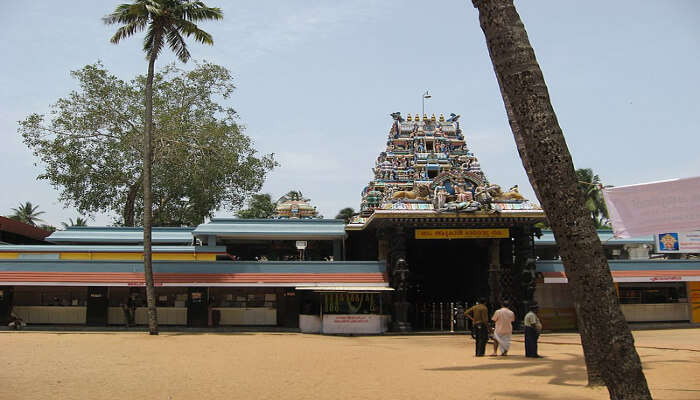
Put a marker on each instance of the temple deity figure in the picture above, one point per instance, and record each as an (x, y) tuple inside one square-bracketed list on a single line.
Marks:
[(463, 195), (440, 197)]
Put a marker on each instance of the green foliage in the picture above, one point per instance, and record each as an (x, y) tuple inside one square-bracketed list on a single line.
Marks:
[(592, 189), (293, 195), (78, 222), (164, 21), (345, 214), (259, 206), (49, 228), (27, 213), (91, 145)]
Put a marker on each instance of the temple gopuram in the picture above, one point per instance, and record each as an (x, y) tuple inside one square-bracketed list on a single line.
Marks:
[(446, 232), (295, 209)]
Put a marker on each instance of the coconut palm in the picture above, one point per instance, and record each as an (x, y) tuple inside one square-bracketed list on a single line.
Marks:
[(345, 214), (589, 184), (27, 213), (607, 342), (165, 22), (78, 222)]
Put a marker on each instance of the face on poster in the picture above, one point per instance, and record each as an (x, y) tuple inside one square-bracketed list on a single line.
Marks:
[(678, 242)]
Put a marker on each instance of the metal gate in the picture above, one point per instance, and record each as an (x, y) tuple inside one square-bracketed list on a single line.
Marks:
[(445, 316)]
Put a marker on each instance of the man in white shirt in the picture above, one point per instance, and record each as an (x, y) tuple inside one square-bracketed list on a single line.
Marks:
[(503, 317), (533, 327)]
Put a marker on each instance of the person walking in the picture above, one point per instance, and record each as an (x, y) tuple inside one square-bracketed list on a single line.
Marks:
[(480, 318), (533, 327), (503, 317)]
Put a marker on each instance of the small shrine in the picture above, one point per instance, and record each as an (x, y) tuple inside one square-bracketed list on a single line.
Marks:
[(295, 209), (428, 166)]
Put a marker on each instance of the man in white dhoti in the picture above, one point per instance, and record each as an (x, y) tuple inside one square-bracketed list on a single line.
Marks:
[(503, 317)]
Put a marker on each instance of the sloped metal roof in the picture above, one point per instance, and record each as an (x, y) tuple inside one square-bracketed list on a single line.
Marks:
[(273, 229), (606, 238), (629, 265), (119, 235), (108, 249), (198, 267)]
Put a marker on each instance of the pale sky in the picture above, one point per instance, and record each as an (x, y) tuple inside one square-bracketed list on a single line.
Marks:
[(317, 81)]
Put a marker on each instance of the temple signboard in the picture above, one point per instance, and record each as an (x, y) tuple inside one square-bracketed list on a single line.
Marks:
[(496, 233)]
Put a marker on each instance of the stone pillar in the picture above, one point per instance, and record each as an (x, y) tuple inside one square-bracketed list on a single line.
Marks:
[(495, 273), (399, 274)]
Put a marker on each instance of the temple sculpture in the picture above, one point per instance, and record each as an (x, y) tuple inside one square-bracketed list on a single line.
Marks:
[(428, 166)]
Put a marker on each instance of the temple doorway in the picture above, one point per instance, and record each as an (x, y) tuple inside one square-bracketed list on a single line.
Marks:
[(445, 275)]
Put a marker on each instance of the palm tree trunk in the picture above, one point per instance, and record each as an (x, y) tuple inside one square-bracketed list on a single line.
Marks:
[(148, 203), (550, 169)]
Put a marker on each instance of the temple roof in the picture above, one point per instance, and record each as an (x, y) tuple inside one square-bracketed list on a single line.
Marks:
[(273, 229), (120, 235)]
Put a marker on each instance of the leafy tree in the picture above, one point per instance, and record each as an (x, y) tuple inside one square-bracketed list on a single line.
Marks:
[(589, 184), (164, 21), (91, 143), (345, 214), (607, 342), (259, 206), (293, 195), (78, 222), (27, 213)]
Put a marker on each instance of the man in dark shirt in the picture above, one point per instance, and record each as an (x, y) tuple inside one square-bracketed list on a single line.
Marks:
[(480, 317)]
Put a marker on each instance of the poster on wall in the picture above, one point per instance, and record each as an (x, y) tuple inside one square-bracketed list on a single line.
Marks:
[(677, 242)]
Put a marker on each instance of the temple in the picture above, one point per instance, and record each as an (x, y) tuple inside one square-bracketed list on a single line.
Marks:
[(446, 232), (432, 233)]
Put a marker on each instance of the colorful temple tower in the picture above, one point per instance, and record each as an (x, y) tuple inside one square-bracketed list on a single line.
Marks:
[(428, 165), (447, 233)]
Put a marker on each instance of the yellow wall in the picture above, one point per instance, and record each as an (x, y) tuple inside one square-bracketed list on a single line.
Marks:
[(9, 255), (694, 299)]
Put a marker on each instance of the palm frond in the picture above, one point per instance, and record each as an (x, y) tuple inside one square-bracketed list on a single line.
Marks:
[(178, 45), (126, 13), (189, 29), (128, 30), (198, 11), (153, 41)]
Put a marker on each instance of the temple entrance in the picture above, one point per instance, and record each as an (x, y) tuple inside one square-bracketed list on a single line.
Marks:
[(448, 270), (446, 275)]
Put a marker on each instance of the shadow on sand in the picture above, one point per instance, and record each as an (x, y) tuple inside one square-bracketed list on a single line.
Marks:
[(567, 372)]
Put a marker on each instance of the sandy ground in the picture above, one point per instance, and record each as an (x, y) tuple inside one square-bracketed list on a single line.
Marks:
[(78, 365)]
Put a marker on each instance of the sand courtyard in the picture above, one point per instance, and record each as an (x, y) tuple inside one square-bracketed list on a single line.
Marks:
[(185, 365)]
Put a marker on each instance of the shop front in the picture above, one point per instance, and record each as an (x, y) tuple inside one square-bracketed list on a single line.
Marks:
[(346, 310), (648, 290), (241, 306), (51, 305), (658, 301)]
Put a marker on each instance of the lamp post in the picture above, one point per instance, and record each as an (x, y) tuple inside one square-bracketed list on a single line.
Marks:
[(426, 95)]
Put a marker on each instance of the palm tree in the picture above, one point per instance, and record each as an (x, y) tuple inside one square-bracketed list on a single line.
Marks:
[(293, 195), (589, 184), (27, 213), (607, 342), (164, 21), (345, 214), (78, 222)]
